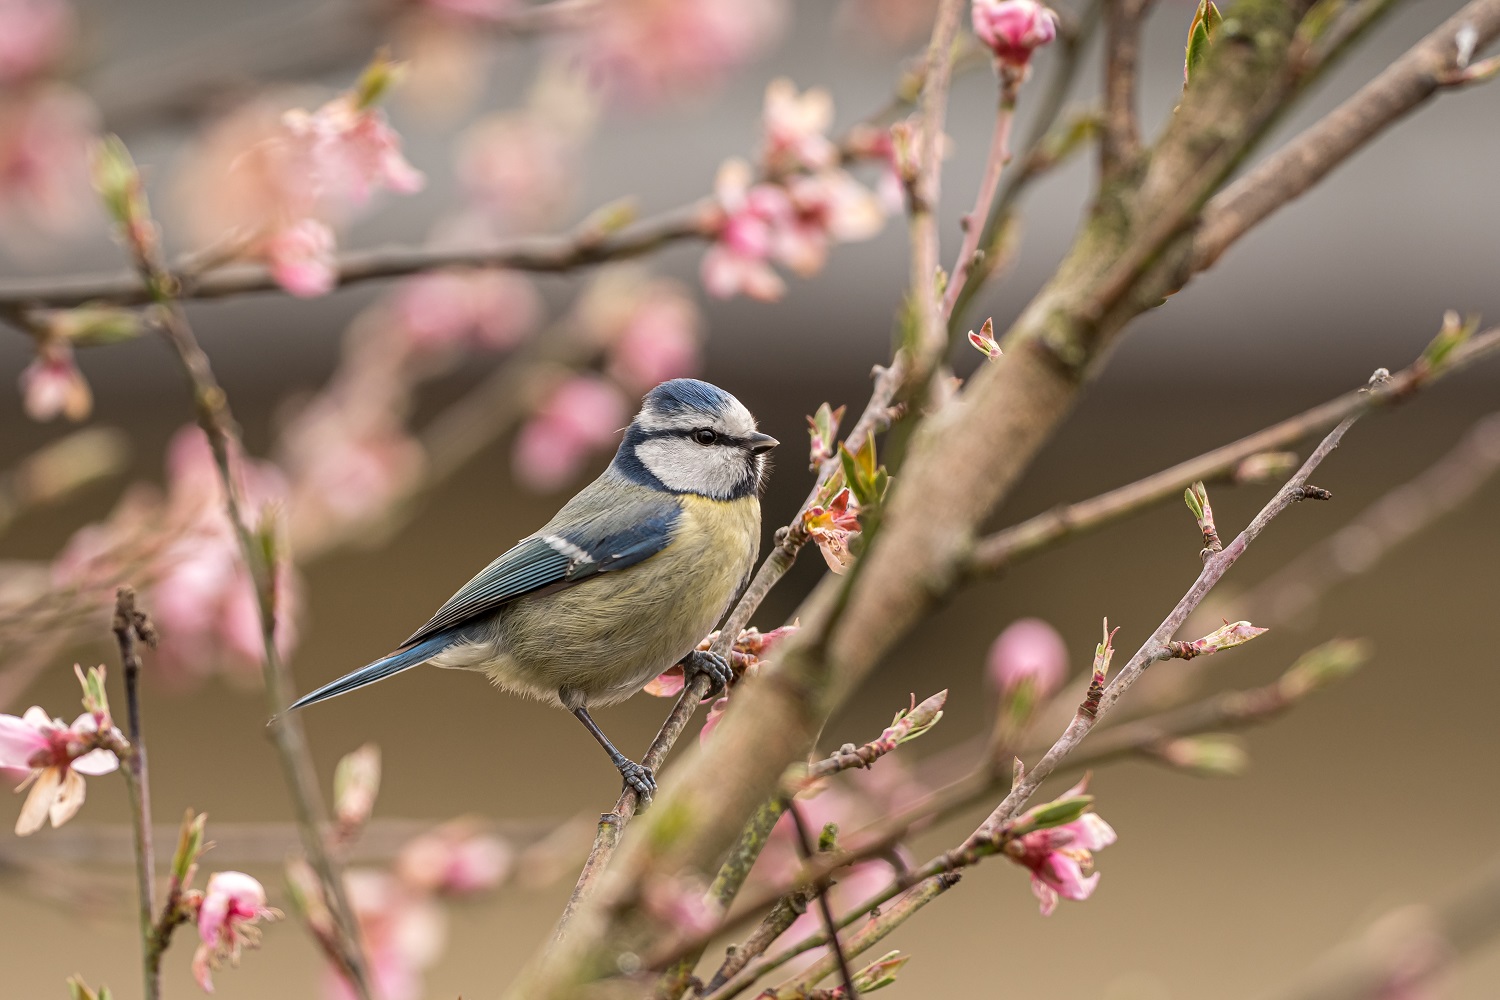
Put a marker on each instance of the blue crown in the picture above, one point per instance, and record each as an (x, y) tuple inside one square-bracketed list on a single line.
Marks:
[(682, 395)]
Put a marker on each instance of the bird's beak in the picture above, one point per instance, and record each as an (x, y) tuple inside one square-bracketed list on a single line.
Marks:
[(760, 443)]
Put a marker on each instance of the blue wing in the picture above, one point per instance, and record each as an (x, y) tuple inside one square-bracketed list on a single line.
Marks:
[(567, 551), (608, 526)]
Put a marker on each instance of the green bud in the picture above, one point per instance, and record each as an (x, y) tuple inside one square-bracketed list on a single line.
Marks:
[(1050, 814), (1212, 755), (828, 840), (94, 325), (378, 77), (117, 180), (608, 219), (189, 846), (880, 973), (1324, 665), (1453, 333), (1206, 21)]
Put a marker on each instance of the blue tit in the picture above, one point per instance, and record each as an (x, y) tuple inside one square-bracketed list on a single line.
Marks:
[(624, 581)]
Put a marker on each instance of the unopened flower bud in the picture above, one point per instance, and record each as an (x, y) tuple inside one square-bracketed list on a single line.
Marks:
[(1213, 756), (1227, 636), (1320, 667), (95, 698), (879, 973), (1013, 29), (356, 782), (984, 341), (1265, 466)]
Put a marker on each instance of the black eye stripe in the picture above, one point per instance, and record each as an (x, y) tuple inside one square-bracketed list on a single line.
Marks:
[(688, 432)]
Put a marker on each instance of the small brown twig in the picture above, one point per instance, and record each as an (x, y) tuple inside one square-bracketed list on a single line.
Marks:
[(129, 625), (1422, 72), (820, 895), (995, 552), (120, 184)]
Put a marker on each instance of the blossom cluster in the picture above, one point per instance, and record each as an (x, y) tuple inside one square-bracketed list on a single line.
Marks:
[(803, 202)]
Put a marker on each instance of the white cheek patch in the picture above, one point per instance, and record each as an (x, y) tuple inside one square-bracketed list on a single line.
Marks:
[(689, 467)]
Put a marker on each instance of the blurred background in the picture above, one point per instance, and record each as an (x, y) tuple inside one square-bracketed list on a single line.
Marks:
[(1370, 796)]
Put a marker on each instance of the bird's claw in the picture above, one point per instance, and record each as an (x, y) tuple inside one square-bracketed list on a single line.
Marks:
[(717, 669), (640, 779)]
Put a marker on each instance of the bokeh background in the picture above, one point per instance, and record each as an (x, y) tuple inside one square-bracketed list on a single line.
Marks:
[(1375, 794)]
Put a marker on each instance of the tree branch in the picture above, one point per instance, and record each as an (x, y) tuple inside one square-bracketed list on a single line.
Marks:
[(1423, 71), (997, 551), (1120, 139)]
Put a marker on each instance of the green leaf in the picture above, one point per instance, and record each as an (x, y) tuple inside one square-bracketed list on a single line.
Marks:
[(1051, 814), (1206, 21)]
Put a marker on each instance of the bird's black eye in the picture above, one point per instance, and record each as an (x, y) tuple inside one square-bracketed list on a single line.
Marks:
[(705, 436)]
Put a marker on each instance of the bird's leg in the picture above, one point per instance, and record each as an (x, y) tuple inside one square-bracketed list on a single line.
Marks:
[(717, 668), (637, 776)]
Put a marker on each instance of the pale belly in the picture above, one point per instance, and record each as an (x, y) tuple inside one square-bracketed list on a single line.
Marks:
[(607, 636)]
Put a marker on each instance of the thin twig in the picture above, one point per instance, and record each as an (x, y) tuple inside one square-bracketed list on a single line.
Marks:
[(211, 404), (1406, 950), (1420, 73), (130, 624), (974, 222), (867, 936), (820, 894), (583, 247), (997, 551)]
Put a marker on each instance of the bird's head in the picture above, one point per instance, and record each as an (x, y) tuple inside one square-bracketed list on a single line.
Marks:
[(692, 437)]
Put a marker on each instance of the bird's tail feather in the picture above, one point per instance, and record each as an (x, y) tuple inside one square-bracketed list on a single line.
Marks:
[(379, 670)]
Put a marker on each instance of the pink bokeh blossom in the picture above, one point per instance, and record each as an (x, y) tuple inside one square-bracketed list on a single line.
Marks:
[(52, 385), (54, 757), (1028, 651), (34, 36), (46, 132), (456, 859), (647, 50), (649, 327), (488, 310), (739, 261), (403, 933), (233, 904), (581, 416), (827, 207), (203, 600), (301, 257), (795, 127)]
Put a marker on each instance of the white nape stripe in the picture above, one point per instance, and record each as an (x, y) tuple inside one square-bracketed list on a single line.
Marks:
[(564, 547)]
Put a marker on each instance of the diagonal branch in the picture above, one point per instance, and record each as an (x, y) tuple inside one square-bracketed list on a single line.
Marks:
[(1422, 72), (1120, 141)]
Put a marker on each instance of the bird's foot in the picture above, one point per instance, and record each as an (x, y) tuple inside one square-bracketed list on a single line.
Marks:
[(717, 669), (638, 777)]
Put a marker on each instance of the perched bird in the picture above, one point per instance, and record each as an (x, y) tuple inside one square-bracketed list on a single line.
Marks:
[(624, 581)]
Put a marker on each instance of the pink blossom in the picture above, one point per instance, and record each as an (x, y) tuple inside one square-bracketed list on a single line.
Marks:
[(455, 858), (1013, 29), (795, 128), (832, 526), (1061, 859), (283, 181), (34, 35), (711, 721), (52, 385), (203, 599), (54, 756), (520, 168), (351, 150), (581, 416), (45, 136), (649, 326), (403, 934), (233, 903), (682, 904), (827, 207), (1029, 651), (649, 49), (738, 262), (301, 257), (660, 343), (483, 310)]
